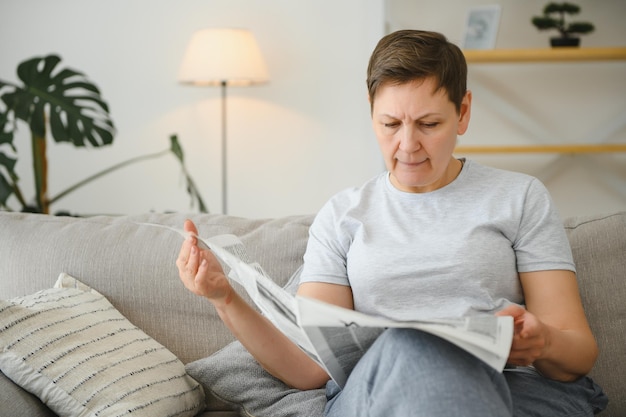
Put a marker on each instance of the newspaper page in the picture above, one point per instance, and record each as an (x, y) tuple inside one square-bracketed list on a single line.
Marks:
[(336, 337), (341, 336)]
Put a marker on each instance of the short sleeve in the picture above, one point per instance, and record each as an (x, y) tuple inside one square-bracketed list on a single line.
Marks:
[(541, 242), (327, 248)]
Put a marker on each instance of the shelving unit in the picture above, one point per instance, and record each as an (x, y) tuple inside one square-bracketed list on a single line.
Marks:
[(560, 149), (545, 55)]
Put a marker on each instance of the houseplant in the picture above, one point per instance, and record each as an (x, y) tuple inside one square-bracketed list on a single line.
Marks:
[(175, 149), (554, 18), (69, 106)]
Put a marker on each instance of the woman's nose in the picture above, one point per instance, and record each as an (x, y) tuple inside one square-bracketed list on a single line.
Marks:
[(409, 140)]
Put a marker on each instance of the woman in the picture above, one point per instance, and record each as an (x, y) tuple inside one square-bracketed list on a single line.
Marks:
[(432, 237)]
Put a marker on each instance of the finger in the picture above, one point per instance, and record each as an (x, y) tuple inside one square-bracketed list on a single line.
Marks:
[(518, 313), (190, 226), (529, 346), (193, 262), (524, 357), (183, 255), (203, 268), (531, 327), (511, 310), (191, 229), (520, 362)]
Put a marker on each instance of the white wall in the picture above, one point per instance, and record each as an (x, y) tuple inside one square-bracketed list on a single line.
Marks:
[(529, 104), (306, 134), (292, 143)]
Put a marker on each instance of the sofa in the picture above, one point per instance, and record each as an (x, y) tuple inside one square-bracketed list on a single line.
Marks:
[(132, 266)]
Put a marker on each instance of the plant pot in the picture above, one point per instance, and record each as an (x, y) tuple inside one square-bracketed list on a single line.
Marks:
[(558, 42)]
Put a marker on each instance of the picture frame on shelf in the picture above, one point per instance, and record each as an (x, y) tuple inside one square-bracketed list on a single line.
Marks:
[(481, 27)]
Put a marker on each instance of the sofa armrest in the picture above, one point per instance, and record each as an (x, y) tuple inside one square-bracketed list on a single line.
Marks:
[(599, 248)]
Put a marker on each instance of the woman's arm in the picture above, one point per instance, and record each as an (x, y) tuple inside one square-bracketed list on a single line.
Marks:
[(552, 333), (202, 274), (269, 346)]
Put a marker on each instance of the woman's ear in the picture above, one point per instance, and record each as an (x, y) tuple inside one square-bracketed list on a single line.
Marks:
[(465, 113)]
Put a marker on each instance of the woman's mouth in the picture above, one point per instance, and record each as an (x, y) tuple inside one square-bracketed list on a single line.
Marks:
[(412, 164)]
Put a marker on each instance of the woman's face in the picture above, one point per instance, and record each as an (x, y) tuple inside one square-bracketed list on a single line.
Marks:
[(417, 130)]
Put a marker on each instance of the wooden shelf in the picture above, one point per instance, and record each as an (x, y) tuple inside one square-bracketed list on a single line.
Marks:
[(558, 149), (565, 54), (548, 55)]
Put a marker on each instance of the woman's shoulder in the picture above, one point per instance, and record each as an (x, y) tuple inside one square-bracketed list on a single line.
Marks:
[(488, 176), (350, 203), (354, 196)]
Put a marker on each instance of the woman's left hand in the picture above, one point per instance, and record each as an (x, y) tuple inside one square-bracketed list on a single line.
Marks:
[(530, 336)]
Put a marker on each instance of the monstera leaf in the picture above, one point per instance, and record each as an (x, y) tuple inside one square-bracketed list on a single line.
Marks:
[(72, 103), (65, 103), (7, 164), (61, 101), (5, 183)]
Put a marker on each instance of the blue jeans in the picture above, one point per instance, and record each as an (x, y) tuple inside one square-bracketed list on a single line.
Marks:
[(410, 373)]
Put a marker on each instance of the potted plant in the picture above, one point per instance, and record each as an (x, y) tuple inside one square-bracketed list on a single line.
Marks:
[(554, 18), (69, 106)]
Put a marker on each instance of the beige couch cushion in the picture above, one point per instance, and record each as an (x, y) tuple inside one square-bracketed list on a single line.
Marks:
[(599, 248), (134, 266)]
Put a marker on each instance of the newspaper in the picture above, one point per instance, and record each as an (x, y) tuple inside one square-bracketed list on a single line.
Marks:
[(335, 337)]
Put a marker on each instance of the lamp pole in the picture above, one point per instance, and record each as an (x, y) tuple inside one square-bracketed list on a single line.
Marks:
[(222, 56), (224, 151)]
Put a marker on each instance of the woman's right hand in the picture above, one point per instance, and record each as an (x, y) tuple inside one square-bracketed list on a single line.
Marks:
[(200, 271), (203, 275)]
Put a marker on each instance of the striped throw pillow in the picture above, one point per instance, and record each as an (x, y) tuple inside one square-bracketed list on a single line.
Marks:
[(72, 349)]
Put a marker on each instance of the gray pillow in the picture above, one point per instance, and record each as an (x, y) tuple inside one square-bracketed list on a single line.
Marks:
[(233, 379)]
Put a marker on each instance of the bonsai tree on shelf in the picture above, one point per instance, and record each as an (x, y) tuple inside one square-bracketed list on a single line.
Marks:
[(65, 103), (554, 18)]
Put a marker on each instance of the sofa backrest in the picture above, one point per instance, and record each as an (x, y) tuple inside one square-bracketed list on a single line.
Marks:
[(134, 266)]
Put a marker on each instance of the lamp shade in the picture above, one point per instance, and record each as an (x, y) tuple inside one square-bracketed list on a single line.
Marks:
[(216, 56)]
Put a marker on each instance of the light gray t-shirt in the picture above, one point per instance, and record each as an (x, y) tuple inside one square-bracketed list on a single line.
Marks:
[(451, 252)]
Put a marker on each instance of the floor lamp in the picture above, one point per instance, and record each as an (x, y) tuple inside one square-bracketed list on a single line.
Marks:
[(223, 57)]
